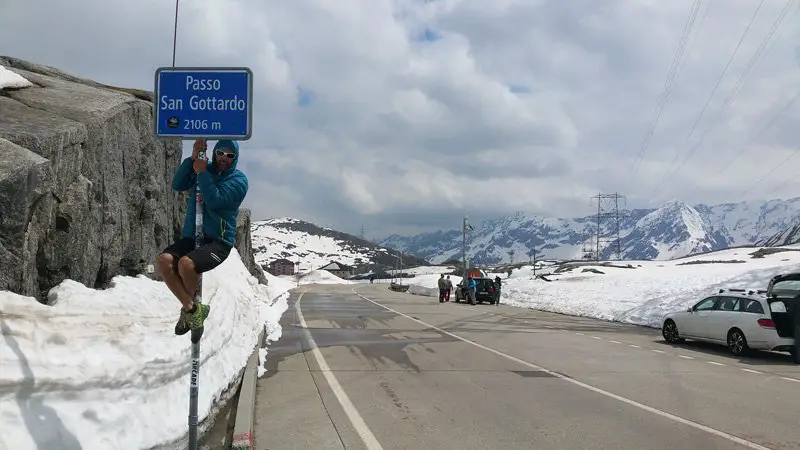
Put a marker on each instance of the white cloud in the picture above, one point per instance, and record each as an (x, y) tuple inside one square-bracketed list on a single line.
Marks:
[(529, 105)]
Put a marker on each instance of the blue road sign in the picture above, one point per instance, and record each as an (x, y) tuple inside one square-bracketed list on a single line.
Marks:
[(204, 102)]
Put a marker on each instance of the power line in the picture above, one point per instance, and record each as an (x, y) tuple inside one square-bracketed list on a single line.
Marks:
[(668, 83), (731, 96), (758, 135), (772, 170)]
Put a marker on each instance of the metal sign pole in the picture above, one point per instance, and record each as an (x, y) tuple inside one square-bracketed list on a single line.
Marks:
[(196, 334)]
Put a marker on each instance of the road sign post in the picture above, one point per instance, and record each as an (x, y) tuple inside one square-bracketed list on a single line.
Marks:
[(203, 102)]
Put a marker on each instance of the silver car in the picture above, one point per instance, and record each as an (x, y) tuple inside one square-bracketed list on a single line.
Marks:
[(741, 319)]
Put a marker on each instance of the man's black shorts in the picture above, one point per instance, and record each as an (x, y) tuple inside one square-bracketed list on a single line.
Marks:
[(207, 257)]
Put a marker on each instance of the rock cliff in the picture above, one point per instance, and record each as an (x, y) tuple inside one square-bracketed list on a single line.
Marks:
[(84, 185), (244, 245)]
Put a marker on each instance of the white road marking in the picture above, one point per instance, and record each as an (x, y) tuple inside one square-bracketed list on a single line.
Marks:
[(614, 342), (715, 363), (595, 337), (685, 357), (791, 379), (360, 426), (752, 371), (580, 334), (634, 346), (657, 351), (589, 387)]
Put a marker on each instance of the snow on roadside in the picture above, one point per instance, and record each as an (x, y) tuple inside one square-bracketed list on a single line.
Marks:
[(12, 80), (643, 294), (103, 368), (428, 285), (322, 277)]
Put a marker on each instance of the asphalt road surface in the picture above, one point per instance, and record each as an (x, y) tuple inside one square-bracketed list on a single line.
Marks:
[(362, 367)]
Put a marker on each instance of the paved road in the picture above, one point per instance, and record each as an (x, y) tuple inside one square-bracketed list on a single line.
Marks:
[(385, 370)]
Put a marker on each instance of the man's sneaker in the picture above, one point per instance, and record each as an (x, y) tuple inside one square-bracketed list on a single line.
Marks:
[(198, 317), (184, 323)]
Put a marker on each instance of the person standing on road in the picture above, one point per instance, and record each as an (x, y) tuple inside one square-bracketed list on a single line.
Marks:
[(223, 187), (497, 285), (449, 289), (472, 287), (442, 288)]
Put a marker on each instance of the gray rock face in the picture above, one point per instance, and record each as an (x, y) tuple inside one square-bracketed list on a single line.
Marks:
[(244, 245), (85, 184)]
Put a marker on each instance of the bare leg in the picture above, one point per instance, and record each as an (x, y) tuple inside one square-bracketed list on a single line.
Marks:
[(173, 280), (189, 278)]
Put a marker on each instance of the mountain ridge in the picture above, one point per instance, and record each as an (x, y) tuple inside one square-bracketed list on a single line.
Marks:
[(314, 246), (673, 230)]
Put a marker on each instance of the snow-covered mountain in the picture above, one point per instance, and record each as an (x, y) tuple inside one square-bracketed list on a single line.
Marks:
[(675, 229), (314, 246)]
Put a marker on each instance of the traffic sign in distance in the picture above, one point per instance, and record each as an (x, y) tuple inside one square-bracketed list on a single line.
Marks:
[(204, 102)]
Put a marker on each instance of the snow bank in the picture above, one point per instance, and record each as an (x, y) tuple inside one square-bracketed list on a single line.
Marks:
[(13, 80), (322, 277), (428, 285), (103, 368), (643, 294)]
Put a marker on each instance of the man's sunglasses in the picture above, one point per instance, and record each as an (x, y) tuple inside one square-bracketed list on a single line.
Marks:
[(229, 155)]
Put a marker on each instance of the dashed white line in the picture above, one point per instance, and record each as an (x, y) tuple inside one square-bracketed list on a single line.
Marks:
[(634, 346), (751, 371), (614, 342), (657, 351), (595, 337), (685, 357), (589, 387), (791, 379), (715, 363), (580, 334)]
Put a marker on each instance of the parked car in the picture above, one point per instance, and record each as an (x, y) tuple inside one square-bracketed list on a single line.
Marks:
[(741, 319), (484, 291)]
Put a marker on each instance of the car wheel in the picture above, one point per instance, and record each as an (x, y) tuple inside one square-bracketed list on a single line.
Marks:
[(737, 342), (670, 332)]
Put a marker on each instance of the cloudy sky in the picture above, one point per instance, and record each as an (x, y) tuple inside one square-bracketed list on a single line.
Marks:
[(403, 115)]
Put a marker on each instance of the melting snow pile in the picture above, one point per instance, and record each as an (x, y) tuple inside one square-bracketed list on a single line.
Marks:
[(104, 369), (12, 80), (644, 293), (429, 285), (322, 277)]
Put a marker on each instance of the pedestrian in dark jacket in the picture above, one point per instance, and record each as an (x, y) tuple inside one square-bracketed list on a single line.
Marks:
[(223, 188), (442, 288), (497, 285)]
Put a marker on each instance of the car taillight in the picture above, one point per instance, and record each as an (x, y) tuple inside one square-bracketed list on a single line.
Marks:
[(766, 323), (490, 289)]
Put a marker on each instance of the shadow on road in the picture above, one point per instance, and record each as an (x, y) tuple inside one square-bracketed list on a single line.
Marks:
[(42, 421)]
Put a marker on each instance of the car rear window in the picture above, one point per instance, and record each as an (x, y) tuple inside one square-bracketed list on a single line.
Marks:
[(751, 306)]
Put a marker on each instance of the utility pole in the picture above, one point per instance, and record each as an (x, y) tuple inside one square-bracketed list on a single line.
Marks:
[(608, 212), (465, 226), (532, 256), (362, 232)]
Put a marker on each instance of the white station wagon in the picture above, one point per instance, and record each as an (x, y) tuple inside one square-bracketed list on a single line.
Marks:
[(742, 319)]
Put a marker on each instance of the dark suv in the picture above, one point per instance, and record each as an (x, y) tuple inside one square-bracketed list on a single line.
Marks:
[(484, 291)]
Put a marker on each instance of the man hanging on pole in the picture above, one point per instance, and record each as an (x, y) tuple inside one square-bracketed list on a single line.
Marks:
[(223, 187)]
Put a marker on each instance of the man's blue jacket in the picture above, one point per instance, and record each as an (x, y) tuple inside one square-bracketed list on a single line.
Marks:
[(223, 193)]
